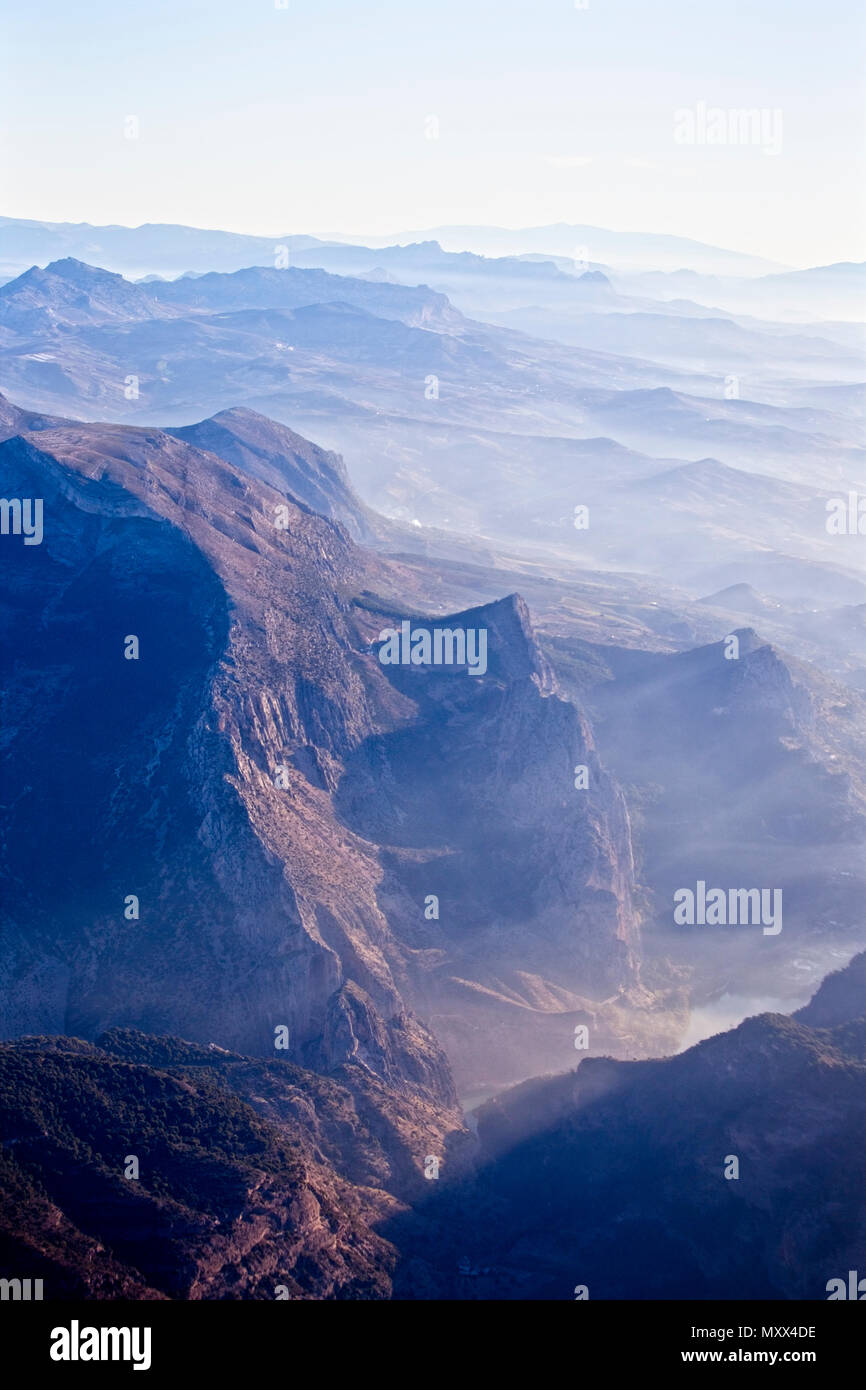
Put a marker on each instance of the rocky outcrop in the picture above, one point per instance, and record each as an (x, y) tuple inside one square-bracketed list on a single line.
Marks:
[(509, 885), (181, 776), (247, 817), (286, 461)]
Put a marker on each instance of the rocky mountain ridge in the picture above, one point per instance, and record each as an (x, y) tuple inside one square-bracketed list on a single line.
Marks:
[(222, 777)]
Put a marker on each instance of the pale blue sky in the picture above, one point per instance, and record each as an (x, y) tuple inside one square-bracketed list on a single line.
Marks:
[(312, 118)]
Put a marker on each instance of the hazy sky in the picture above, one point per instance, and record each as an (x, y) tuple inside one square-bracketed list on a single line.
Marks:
[(315, 117)]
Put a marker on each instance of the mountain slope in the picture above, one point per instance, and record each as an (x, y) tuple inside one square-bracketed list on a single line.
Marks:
[(225, 1202), (841, 997), (168, 787), (232, 780), (276, 455), (69, 293), (472, 799), (292, 288), (614, 1178)]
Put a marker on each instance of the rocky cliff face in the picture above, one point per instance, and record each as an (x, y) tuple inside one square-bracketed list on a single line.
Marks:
[(276, 455), (243, 816), (509, 885), (194, 777)]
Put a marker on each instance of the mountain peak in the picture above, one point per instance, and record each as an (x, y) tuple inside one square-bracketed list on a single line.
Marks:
[(594, 277), (70, 292), (840, 998), (742, 598), (79, 272), (513, 653)]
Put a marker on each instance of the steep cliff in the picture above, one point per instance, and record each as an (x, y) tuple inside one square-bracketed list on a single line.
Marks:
[(246, 809), (507, 848), (278, 456), (194, 777)]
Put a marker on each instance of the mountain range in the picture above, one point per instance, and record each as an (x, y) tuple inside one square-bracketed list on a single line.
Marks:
[(449, 421), (288, 832), (306, 923), (174, 249)]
